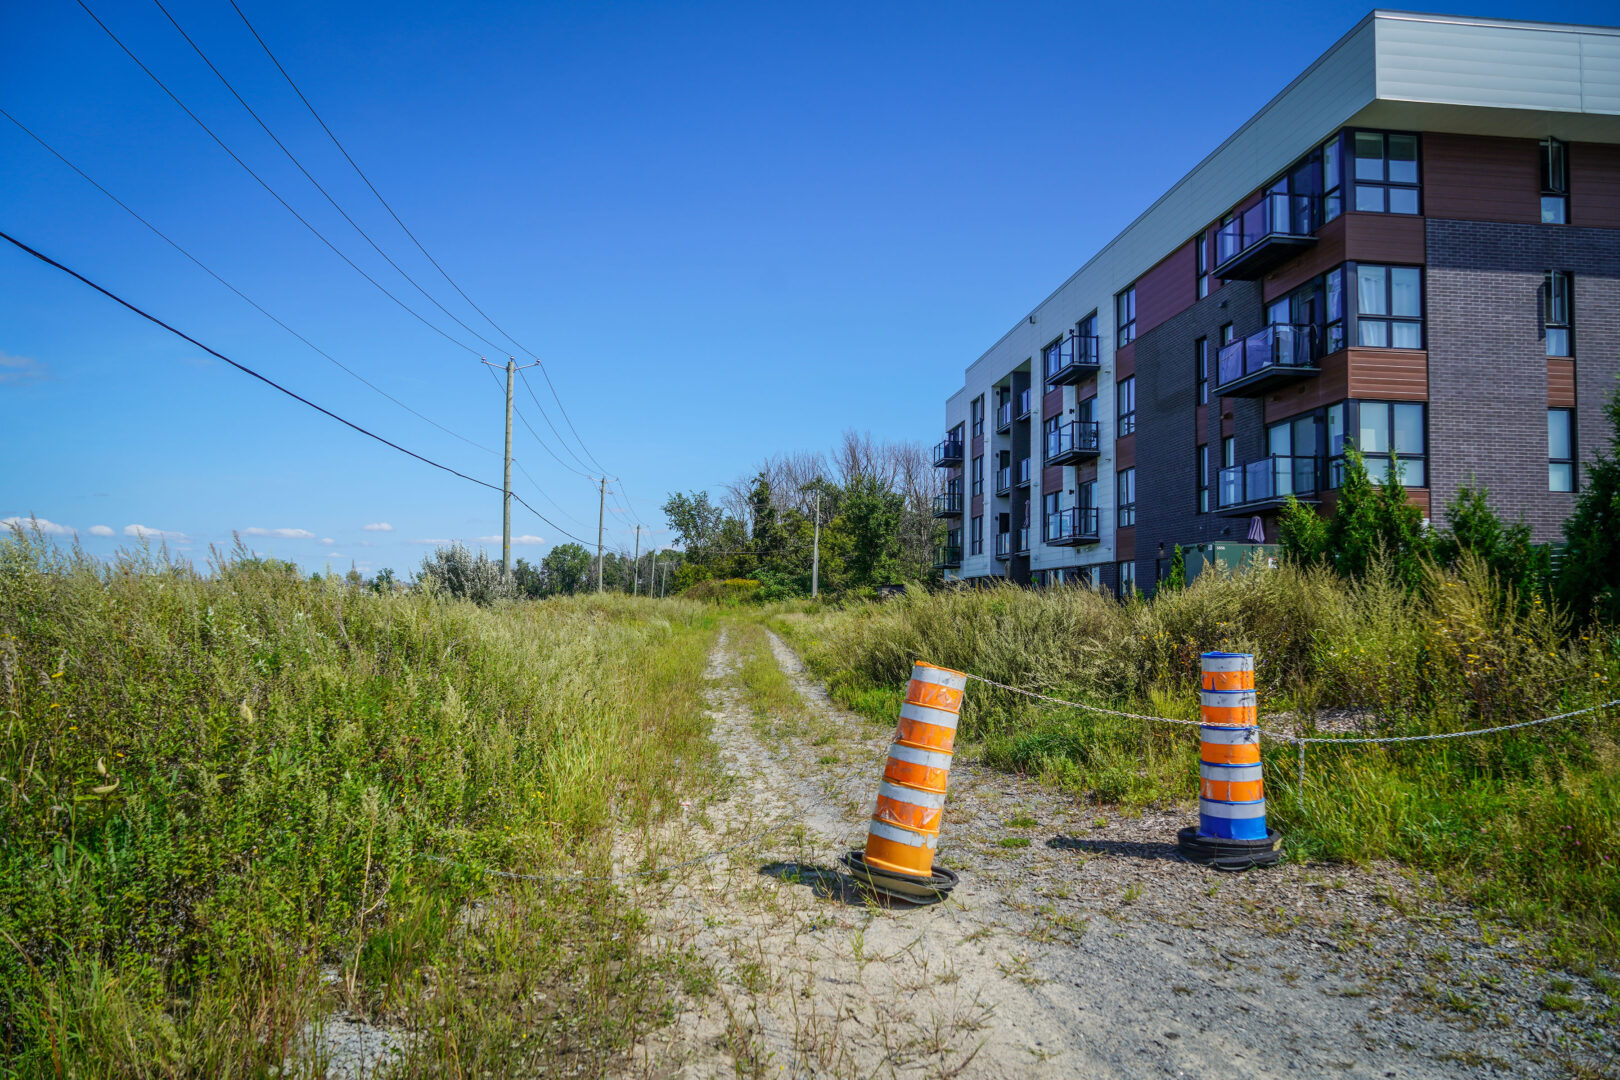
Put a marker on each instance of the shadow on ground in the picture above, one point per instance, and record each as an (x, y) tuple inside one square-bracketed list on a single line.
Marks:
[(835, 885), (1132, 849)]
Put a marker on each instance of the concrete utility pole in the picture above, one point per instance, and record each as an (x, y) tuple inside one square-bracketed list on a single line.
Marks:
[(601, 508), (635, 578), (815, 551), (506, 476)]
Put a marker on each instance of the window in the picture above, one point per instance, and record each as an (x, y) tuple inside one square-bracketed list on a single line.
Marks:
[(1125, 315), (1332, 180), (1203, 479), (1554, 182), (1086, 496), (1201, 245), (1560, 449), (978, 475), (1389, 304), (1393, 430), (1229, 451), (1126, 393), (1560, 314), (1052, 359), (1228, 334), (1085, 346), (1333, 338), (1292, 438), (1386, 173), (1201, 358), (1127, 497), (976, 536), (1127, 579), (978, 416), (1336, 415), (1086, 411)]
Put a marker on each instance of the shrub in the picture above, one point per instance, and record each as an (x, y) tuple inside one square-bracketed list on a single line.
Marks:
[(458, 572)]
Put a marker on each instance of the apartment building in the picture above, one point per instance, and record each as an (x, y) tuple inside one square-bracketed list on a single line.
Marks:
[(1413, 249)]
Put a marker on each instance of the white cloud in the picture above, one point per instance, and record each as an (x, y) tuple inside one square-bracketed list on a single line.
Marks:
[(279, 534), (328, 541), (28, 524), (21, 370), (379, 526), (146, 532), (101, 530)]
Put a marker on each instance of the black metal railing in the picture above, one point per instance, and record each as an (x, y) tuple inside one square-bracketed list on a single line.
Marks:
[(1072, 359), (1003, 479), (1279, 348), (1276, 215), (948, 504), (947, 555), (1072, 525), (1004, 415), (1075, 439), (1026, 403), (1268, 479)]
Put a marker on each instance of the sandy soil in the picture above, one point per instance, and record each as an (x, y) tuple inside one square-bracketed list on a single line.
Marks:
[(1078, 944)]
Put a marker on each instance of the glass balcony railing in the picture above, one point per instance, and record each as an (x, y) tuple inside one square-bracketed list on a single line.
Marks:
[(1004, 415), (1021, 540), (947, 555), (1277, 354), (948, 504), (1268, 233), (948, 453), (1075, 440), (1076, 357), (1026, 403), (1003, 545), (1025, 473), (1077, 525), (1004, 480), (1269, 480)]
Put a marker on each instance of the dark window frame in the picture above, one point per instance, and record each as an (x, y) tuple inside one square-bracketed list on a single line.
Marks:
[(1202, 280), (976, 535), (1203, 477), (1125, 315), (1389, 320), (1572, 462), (1554, 181), (1384, 184), (1125, 572), (1558, 319), (978, 416), (1125, 500), (1353, 423), (1125, 406), (976, 473), (1202, 366)]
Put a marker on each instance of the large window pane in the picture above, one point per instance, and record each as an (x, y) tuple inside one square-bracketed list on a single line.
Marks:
[(1560, 476), (1304, 436), (1371, 297), (1403, 159), (1369, 156), (1408, 428), (1369, 199), (1335, 295), (1412, 473), (1406, 291), (1335, 426), (1377, 469), (1374, 437), (1277, 440), (1403, 200), (1560, 441), (1373, 333), (1406, 335)]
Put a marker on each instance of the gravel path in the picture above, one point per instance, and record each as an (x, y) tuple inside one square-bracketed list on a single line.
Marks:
[(1077, 945)]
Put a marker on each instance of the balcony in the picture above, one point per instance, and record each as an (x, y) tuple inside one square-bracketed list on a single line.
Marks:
[(1004, 415), (1261, 362), (947, 556), (1021, 541), (948, 504), (1003, 546), (1266, 484), (948, 454), (1265, 236), (1074, 359), (1077, 525), (1025, 473), (1004, 480), (1077, 440), (1026, 404)]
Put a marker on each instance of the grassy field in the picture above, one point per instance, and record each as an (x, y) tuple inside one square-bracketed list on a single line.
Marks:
[(220, 797), (1526, 822)]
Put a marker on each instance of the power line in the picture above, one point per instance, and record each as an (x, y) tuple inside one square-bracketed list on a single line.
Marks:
[(255, 305), (109, 294), (560, 440), (419, 246), (543, 444), (300, 166), (273, 193)]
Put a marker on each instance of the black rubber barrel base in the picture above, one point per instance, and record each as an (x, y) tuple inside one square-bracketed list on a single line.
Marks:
[(1228, 854), (909, 887)]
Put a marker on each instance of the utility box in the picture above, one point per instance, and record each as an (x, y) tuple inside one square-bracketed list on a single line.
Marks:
[(1229, 557)]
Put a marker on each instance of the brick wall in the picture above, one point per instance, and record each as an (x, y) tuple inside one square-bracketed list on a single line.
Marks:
[(1487, 358)]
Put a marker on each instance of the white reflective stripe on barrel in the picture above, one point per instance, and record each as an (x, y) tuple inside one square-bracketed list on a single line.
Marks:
[(1232, 810), (923, 714), (927, 758), (1227, 699), (903, 836), (939, 677), (1225, 772), (1237, 662), (1231, 736), (933, 800)]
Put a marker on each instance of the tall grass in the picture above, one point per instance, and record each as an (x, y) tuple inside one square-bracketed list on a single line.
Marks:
[(1526, 821), (218, 795)]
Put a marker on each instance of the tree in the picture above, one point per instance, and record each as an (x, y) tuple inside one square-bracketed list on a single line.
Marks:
[(1589, 574), (565, 569), (383, 582), (1371, 525), (1473, 527), (1177, 578), (528, 580), (870, 520), (465, 574)]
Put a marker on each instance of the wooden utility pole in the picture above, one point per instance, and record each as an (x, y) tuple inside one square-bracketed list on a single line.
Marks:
[(506, 476), (601, 508), (815, 551), (652, 581), (635, 564)]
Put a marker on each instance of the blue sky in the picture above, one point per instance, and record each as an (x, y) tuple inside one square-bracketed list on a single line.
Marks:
[(729, 230)]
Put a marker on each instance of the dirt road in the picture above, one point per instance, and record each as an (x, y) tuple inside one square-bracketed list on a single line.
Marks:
[(1078, 944)]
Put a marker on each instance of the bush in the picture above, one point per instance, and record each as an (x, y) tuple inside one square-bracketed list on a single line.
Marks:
[(465, 575), (727, 593)]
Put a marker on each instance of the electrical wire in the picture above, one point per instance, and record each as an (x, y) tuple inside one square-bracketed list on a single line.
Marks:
[(419, 246), (109, 294), (543, 445), (273, 193), (253, 303), (560, 440)]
